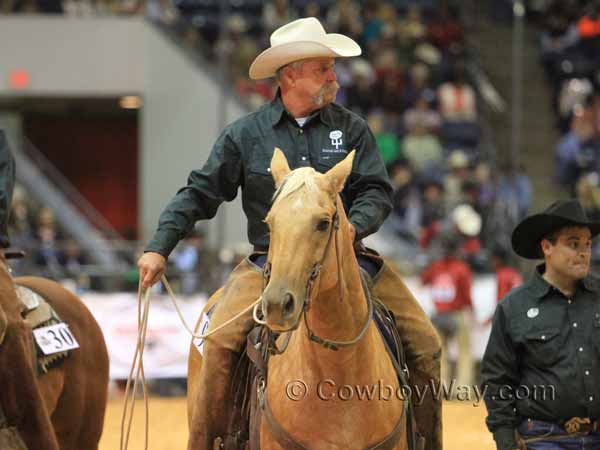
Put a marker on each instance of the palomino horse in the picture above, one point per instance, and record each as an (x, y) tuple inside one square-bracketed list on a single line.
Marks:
[(63, 408), (334, 386)]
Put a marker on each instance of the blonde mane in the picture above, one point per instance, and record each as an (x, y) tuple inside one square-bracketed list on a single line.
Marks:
[(302, 178)]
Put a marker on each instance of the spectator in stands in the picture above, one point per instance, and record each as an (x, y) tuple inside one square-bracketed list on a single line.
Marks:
[(483, 177), (390, 82), (507, 277), (387, 142), (588, 193), (570, 156), (514, 188), (359, 95), (277, 13), (188, 261), (433, 210), (237, 49), (445, 30), (449, 280), (458, 173), (7, 183), (418, 85), (72, 261), (162, 11), (405, 218), (47, 253), (420, 114), (423, 149), (411, 29), (345, 18), (457, 99), (589, 25)]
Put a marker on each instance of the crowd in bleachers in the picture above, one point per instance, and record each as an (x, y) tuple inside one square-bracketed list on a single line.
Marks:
[(570, 48)]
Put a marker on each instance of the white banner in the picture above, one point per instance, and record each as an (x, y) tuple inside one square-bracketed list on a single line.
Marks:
[(168, 342)]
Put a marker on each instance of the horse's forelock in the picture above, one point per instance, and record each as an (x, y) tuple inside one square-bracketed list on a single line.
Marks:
[(300, 179), (303, 177)]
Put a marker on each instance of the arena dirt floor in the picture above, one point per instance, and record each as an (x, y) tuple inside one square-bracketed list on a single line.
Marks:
[(464, 426)]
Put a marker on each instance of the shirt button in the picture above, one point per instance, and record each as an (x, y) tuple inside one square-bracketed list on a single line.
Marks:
[(580, 349), (587, 372), (304, 158), (570, 301), (268, 169), (574, 324), (543, 337), (591, 398), (300, 131)]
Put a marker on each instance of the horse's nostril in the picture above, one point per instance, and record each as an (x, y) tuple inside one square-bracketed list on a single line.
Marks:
[(288, 305)]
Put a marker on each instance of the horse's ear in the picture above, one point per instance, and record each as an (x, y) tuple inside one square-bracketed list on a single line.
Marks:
[(279, 167), (337, 174)]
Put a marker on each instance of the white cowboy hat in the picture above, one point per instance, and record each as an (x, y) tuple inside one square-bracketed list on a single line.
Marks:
[(467, 220), (301, 39)]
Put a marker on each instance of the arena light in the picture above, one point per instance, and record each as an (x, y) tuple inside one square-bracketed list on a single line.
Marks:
[(130, 102), (19, 79)]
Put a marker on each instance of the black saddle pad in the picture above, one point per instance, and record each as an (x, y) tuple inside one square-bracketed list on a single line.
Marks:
[(386, 323)]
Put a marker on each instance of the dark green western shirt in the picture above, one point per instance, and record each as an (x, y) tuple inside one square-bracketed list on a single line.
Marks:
[(542, 360), (7, 183), (241, 157)]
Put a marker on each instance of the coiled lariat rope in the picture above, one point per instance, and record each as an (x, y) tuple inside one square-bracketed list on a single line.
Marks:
[(137, 364)]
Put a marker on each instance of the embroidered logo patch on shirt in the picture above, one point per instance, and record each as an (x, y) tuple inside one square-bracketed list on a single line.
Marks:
[(336, 138), (533, 312), (337, 151)]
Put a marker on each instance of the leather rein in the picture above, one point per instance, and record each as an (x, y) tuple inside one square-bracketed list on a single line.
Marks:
[(283, 438)]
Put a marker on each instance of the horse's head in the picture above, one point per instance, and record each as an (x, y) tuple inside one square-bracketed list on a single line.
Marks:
[(303, 221)]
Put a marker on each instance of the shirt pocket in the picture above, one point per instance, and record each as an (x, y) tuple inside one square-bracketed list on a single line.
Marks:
[(329, 157), (543, 346)]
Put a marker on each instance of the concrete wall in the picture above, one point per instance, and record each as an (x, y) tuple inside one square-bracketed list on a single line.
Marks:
[(73, 56), (79, 57), (180, 123)]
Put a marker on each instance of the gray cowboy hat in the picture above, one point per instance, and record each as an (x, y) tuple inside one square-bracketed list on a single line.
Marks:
[(527, 236)]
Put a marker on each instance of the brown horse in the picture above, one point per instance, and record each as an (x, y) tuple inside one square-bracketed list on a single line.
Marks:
[(64, 408), (318, 398)]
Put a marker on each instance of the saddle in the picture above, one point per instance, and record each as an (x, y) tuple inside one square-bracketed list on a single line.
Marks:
[(38, 313), (249, 385)]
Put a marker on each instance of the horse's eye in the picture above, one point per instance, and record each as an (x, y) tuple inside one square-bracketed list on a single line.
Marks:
[(323, 225)]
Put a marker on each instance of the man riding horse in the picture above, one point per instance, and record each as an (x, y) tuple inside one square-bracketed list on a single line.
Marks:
[(312, 130)]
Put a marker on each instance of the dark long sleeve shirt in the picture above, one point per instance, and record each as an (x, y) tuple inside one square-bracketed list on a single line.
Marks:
[(7, 183), (241, 158), (542, 360)]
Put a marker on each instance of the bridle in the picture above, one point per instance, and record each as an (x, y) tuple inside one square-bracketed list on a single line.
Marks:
[(314, 274)]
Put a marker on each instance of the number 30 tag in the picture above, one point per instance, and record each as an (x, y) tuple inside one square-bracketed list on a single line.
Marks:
[(55, 338)]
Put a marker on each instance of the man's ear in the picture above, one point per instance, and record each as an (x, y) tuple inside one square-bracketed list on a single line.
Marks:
[(337, 174), (546, 247), (279, 167)]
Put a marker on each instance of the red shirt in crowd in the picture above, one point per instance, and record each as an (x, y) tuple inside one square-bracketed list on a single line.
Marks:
[(508, 278), (450, 282)]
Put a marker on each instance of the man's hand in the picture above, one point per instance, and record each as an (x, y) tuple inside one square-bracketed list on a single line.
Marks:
[(152, 267)]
